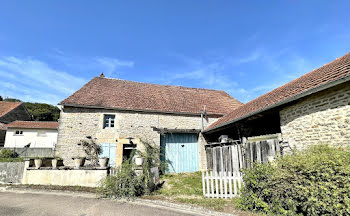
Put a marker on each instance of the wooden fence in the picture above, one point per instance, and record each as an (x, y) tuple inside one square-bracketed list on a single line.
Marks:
[(261, 151), (231, 157), (227, 158), (221, 185)]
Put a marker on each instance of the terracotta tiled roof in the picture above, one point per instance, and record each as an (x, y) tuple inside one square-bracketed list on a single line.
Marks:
[(339, 68), (129, 95), (7, 106), (3, 126), (33, 124)]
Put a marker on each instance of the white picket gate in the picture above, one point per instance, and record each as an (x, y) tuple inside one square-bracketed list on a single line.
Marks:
[(221, 184)]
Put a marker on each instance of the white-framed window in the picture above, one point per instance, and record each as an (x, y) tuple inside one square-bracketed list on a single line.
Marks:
[(42, 133), (108, 121), (18, 132)]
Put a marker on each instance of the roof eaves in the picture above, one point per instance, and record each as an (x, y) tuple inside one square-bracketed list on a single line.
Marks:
[(290, 99), (139, 110)]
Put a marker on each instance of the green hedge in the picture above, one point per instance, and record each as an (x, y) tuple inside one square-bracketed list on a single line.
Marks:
[(11, 159), (8, 153), (312, 182)]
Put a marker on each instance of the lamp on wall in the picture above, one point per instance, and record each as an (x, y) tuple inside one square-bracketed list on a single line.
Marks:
[(130, 140)]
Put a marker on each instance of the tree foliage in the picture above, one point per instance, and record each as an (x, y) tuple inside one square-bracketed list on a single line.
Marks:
[(91, 149), (42, 111), (39, 111)]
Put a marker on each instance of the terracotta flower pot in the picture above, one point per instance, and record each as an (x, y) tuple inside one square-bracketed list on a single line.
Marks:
[(103, 162), (38, 163)]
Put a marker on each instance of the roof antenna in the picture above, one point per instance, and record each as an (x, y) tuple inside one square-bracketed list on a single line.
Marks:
[(102, 75)]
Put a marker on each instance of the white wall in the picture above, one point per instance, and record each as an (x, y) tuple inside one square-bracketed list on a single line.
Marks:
[(12, 140)]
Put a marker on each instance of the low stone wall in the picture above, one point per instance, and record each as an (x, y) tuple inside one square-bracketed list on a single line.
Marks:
[(64, 177), (11, 172)]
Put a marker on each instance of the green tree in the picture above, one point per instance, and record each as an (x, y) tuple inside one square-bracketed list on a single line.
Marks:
[(1, 99), (12, 100), (42, 111)]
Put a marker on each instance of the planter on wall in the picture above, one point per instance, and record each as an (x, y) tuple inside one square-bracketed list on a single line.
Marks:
[(56, 162), (38, 163), (139, 161), (79, 162), (103, 162)]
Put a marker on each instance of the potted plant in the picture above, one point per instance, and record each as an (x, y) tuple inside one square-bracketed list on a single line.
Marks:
[(79, 162), (103, 161), (38, 162), (55, 161), (139, 160)]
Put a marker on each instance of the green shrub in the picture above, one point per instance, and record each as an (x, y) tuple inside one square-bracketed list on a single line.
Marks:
[(8, 153), (125, 184), (312, 182), (11, 159)]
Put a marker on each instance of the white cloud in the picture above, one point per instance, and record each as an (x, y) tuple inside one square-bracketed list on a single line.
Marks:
[(31, 79), (35, 80), (223, 73)]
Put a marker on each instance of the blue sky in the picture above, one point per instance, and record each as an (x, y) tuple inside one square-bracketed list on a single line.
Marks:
[(49, 49)]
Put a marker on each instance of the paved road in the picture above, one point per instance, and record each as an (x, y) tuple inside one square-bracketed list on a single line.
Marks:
[(16, 204)]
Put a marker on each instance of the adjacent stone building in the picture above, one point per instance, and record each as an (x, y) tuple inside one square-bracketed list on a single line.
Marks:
[(9, 112), (312, 109), (123, 115)]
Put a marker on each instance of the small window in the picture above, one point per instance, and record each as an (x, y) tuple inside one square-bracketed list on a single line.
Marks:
[(42, 133), (108, 121), (19, 132)]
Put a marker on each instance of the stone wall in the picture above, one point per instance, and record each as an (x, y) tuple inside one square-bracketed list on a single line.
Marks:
[(322, 118), (11, 172), (77, 123), (83, 178)]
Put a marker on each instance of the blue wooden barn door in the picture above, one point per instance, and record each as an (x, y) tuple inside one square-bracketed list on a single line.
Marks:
[(181, 152), (109, 150)]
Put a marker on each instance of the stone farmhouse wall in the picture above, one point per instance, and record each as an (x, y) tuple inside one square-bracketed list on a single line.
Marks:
[(322, 118), (77, 123)]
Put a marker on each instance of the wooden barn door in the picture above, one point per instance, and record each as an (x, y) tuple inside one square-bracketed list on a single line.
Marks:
[(181, 152)]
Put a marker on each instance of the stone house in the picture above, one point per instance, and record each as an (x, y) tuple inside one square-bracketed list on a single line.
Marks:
[(9, 112), (312, 109), (123, 115), (33, 134)]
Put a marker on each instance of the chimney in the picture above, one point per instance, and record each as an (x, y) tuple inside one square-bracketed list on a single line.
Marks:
[(102, 75)]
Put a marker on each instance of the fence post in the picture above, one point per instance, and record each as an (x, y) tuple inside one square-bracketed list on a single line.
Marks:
[(207, 177), (230, 184), (212, 184)]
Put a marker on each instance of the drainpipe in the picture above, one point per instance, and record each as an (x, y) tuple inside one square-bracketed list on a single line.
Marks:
[(203, 114)]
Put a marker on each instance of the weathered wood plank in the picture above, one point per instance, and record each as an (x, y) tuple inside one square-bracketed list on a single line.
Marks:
[(258, 152)]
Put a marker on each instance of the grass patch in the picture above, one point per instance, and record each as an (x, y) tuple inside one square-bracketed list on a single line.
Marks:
[(189, 184), (11, 159), (215, 204), (186, 188)]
